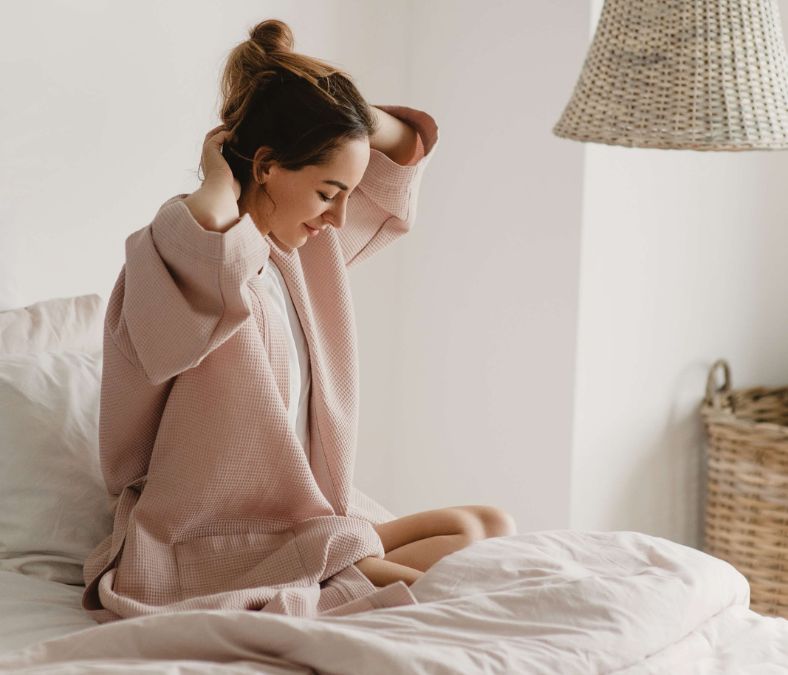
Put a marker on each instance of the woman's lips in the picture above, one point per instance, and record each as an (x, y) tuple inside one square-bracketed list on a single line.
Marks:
[(311, 231)]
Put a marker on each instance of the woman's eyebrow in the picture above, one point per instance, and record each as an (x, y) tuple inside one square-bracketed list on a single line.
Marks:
[(339, 184)]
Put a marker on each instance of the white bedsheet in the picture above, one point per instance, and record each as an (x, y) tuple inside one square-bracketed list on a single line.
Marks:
[(33, 609), (546, 602)]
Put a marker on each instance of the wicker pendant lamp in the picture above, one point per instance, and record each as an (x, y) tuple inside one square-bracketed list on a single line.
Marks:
[(683, 74)]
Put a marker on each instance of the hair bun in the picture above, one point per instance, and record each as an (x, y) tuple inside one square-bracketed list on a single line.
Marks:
[(273, 36)]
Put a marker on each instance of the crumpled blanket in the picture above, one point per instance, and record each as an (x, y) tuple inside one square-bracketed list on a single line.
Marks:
[(560, 601)]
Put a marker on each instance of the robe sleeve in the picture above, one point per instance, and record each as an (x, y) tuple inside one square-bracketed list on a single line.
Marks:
[(383, 205), (184, 290)]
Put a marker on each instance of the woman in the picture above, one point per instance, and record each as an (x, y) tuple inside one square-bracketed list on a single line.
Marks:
[(229, 404)]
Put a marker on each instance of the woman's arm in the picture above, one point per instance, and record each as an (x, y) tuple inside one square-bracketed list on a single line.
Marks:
[(394, 138), (383, 205)]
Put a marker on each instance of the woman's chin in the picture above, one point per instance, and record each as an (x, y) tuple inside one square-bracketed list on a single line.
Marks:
[(281, 244)]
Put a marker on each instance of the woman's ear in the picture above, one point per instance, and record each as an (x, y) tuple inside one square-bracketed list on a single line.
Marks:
[(261, 166)]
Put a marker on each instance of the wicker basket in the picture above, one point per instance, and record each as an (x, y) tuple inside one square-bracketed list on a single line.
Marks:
[(746, 518)]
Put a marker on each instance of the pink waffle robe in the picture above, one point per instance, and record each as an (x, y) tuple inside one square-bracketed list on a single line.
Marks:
[(216, 503)]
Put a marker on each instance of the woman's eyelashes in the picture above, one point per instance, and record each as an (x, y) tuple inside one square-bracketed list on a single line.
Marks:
[(325, 198)]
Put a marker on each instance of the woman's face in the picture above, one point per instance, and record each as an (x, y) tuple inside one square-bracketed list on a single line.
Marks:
[(314, 196)]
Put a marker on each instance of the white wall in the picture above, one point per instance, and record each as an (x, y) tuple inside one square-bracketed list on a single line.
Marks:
[(475, 404), (466, 326), (485, 377), (682, 262)]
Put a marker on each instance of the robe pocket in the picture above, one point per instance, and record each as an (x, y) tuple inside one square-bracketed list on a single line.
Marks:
[(227, 562)]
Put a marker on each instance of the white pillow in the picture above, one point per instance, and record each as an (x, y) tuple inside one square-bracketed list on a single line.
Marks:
[(54, 506), (54, 324)]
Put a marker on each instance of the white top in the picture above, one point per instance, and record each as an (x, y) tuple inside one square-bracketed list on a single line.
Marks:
[(297, 350)]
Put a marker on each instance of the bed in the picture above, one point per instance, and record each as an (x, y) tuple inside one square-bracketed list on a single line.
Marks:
[(557, 601)]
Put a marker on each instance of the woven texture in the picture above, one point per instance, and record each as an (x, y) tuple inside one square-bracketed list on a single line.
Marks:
[(215, 503), (700, 75), (746, 519)]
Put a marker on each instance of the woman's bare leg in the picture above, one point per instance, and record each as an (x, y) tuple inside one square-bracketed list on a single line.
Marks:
[(422, 539), (414, 543), (424, 553), (383, 572)]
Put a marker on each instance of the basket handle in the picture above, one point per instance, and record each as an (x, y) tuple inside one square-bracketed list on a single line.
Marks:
[(711, 381)]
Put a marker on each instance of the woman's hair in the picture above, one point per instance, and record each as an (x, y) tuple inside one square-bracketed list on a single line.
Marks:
[(299, 106)]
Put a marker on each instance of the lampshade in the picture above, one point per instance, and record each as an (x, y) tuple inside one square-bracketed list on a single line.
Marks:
[(683, 74)]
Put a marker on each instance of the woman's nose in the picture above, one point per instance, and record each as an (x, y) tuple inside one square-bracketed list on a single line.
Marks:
[(338, 212)]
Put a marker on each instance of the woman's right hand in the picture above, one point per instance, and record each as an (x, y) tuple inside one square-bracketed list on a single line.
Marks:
[(215, 203)]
